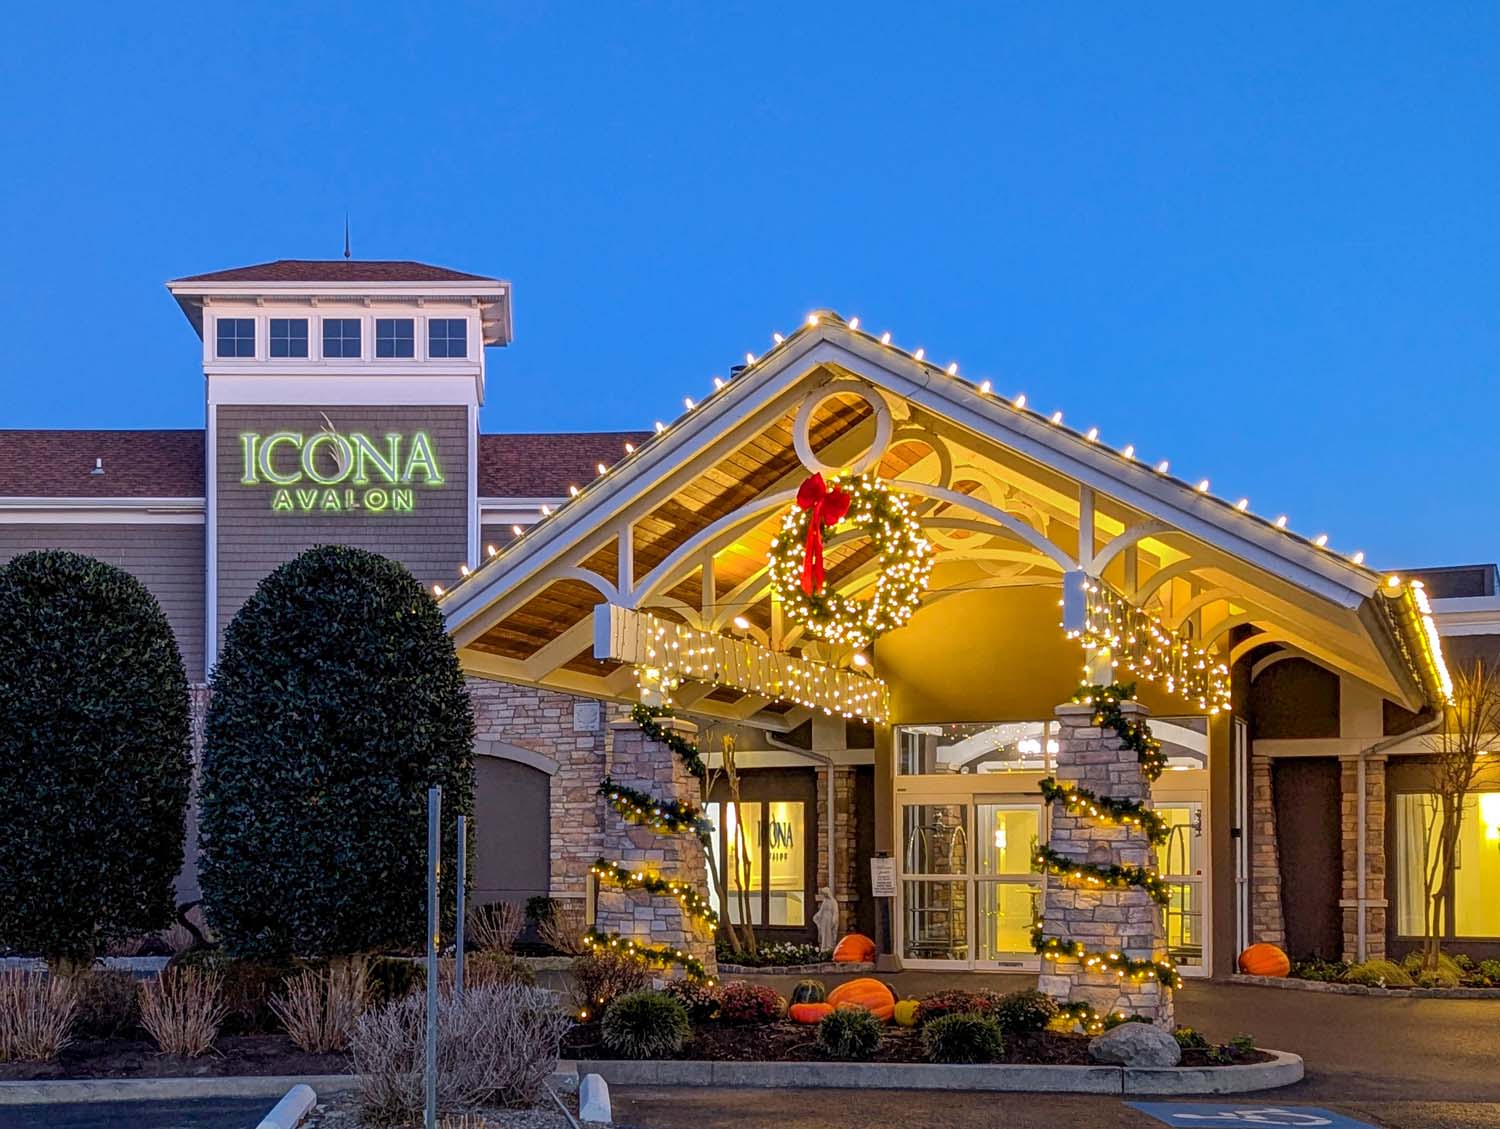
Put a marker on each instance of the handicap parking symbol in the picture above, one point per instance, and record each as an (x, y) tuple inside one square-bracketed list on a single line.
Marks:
[(1246, 1114)]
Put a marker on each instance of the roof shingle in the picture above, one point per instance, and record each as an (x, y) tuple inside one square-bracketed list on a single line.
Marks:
[(544, 465), (137, 464)]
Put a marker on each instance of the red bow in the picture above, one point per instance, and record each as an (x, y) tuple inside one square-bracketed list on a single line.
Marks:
[(826, 507)]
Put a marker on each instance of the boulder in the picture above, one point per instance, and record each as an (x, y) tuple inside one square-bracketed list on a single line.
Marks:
[(1136, 1044)]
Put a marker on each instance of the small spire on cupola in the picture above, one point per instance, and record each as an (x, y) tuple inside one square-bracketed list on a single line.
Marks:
[(346, 235)]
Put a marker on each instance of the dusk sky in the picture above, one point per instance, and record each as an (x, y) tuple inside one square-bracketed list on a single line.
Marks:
[(1261, 243)]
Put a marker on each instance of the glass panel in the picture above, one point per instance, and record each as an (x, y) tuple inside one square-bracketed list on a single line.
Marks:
[(1181, 858), (975, 748), (787, 870), (742, 871), (1006, 839), (1476, 879), (1416, 845), (935, 920), (934, 839), (1184, 740), (1006, 913)]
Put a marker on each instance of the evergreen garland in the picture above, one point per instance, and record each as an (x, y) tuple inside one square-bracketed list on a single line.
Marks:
[(1092, 1022), (1115, 875), (1054, 948), (1133, 734), (656, 956), (646, 717), (693, 903), (668, 817), (1106, 809)]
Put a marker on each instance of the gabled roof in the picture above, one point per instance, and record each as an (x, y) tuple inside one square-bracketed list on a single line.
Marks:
[(545, 464), (711, 475), (338, 270), (136, 464)]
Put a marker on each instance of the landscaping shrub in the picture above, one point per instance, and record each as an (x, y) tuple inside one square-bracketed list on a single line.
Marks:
[(741, 1002), (394, 978), (1189, 1039), (645, 1025), (1022, 1013), (1489, 972), (965, 1037), (181, 1010), (94, 757), (700, 999), (497, 1044), (953, 1002), (1323, 971), (851, 1034), (774, 953), (247, 987), (1448, 974), (489, 968), (319, 1008), (494, 927), (108, 1003), (1378, 974), (337, 702), (562, 930), (36, 1016), (600, 976)]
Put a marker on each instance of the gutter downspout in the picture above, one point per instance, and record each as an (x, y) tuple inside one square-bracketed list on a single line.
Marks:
[(1361, 821)]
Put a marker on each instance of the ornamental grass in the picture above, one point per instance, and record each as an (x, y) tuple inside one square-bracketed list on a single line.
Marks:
[(182, 1010), (36, 1016), (319, 1008)]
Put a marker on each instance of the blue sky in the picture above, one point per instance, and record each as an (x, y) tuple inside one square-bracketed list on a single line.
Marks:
[(1259, 243)]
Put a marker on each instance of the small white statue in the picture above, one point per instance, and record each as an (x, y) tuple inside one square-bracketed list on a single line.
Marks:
[(826, 918)]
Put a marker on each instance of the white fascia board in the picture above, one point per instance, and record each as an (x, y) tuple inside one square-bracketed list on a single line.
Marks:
[(359, 388), (1467, 615), (460, 288)]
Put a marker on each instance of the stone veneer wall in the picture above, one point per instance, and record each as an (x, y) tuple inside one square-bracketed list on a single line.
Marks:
[(1375, 896), (846, 844), (1267, 919), (1121, 920)]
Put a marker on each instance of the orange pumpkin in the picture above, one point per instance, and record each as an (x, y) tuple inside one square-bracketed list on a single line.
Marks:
[(1265, 960), (809, 1013), (867, 993), (855, 948)]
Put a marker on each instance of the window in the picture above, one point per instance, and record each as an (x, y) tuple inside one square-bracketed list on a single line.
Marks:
[(767, 842), (1474, 907), (236, 337), (393, 337), (288, 337), (967, 749), (447, 337), (340, 337)]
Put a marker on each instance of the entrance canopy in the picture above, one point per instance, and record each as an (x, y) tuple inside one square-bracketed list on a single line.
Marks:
[(1040, 532)]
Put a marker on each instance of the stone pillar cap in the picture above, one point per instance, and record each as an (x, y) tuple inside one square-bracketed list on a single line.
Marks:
[(675, 724), (1080, 709)]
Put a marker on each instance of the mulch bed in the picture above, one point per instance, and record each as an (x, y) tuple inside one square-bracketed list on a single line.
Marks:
[(796, 1042), (232, 1055)]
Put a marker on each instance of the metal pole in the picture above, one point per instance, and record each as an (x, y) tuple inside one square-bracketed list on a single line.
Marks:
[(458, 925), (434, 870)]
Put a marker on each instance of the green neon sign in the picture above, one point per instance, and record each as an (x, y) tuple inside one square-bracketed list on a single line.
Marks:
[(329, 472)]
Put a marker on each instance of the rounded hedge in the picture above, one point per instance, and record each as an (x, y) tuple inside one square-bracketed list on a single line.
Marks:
[(95, 758), (645, 1025), (965, 1037), (336, 703)]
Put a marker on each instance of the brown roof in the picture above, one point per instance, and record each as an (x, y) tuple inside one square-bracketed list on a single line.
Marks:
[(169, 464), (337, 270), (137, 464), (544, 465)]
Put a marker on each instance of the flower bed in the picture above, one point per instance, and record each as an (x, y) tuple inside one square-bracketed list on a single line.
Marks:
[(1456, 975)]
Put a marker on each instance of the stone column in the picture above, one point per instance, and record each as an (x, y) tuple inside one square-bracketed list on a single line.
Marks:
[(639, 762), (1375, 896), (845, 844), (1124, 920), (1267, 922)]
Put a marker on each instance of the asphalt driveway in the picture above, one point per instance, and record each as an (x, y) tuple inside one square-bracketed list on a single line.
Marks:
[(200, 1113)]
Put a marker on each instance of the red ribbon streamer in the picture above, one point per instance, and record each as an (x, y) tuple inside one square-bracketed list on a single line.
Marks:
[(826, 507)]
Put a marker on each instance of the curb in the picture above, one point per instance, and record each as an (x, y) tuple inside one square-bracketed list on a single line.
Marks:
[(1292, 984), (1282, 1070), (290, 1111), (167, 1089)]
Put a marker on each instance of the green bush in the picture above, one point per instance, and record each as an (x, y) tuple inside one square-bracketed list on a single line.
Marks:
[(966, 1037), (108, 1003), (1190, 1039), (851, 1034), (1448, 973), (337, 702), (1489, 972), (94, 757), (1022, 1013), (1378, 974), (645, 1025), (1323, 971)]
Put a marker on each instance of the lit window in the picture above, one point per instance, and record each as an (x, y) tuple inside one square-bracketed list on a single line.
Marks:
[(236, 337), (341, 337), (288, 337), (1474, 909), (760, 850), (393, 337), (447, 337)]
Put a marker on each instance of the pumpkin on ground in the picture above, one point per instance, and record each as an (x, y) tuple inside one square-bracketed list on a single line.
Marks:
[(867, 993), (809, 992), (855, 948), (905, 1013), (1265, 960), (809, 1013)]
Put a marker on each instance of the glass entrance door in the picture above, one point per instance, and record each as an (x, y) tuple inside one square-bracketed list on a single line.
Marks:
[(1180, 860)]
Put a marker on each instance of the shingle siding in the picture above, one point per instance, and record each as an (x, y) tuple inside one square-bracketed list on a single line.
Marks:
[(166, 558), (432, 540)]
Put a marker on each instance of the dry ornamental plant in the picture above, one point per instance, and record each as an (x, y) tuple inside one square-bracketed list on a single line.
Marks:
[(181, 1010)]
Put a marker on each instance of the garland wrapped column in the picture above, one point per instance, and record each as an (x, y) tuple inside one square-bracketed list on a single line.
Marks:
[(650, 898), (1101, 935)]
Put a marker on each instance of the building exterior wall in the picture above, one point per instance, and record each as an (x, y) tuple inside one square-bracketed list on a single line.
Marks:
[(166, 557)]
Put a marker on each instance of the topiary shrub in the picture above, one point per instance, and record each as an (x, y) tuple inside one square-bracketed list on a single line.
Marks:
[(645, 1025), (850, 1034), (965, 1037), (699, 998), (1022, 1013), (741, 1002), (953, 1002), (1378, 974), (94, 757), (337, 702)]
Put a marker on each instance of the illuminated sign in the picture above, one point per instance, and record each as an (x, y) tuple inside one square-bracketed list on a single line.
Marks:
[(330, 472)]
